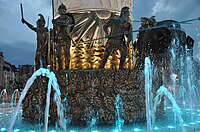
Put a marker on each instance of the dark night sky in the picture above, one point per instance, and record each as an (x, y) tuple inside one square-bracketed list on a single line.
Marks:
[(19, 43)]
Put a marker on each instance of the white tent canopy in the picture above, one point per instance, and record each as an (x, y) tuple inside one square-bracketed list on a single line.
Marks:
[(92, 5)]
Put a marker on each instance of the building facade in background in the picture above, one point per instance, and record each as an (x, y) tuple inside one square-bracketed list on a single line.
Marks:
[(25, 70), (8, 74), (12, 77)]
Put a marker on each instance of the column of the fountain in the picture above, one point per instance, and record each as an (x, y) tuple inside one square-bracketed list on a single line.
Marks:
[(91, 95), (149, 95)]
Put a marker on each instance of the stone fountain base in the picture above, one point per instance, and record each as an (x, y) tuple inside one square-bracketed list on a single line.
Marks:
[(88, 94)]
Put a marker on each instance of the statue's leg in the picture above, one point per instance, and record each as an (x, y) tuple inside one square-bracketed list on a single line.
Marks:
[(62, 57), (59, 55), (44, 59), (124, 53), (37, 60), (106, 55), (67, 57)]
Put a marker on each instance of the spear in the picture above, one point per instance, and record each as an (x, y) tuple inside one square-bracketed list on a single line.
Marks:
[(48, 23), (52, 2), (53, 39), (146, 29)]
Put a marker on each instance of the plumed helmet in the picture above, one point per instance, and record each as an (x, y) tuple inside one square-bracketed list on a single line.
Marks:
[(152, 19), (144, 19), (148, 21), (41, 19), (62, 7), (124, 9)]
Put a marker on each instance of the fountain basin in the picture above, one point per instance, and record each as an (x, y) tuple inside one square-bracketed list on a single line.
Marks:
[(90, 93)]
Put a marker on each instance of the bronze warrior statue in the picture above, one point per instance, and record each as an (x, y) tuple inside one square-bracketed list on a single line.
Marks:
[(142, 45), (120, 29), (64, 25), (42, 41)]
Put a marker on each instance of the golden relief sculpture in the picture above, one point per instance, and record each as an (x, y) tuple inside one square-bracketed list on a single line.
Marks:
[(90, 41)]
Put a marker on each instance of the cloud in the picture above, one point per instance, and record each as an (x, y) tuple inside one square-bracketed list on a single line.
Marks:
[(19, 52), (165, 6), (174, 9)]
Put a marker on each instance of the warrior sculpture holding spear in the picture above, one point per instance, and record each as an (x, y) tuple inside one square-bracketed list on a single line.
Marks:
[(42, 40), (119, 37), (64, 25)]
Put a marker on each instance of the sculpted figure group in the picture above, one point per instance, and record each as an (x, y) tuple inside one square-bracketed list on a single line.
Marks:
[(118, 31)]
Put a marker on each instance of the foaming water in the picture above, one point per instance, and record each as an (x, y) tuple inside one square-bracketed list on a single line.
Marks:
[(191, 87), (52, 82), (152, 103), (119, 110), (164, 91), (3, 96), (14, 97), (148, 94)]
